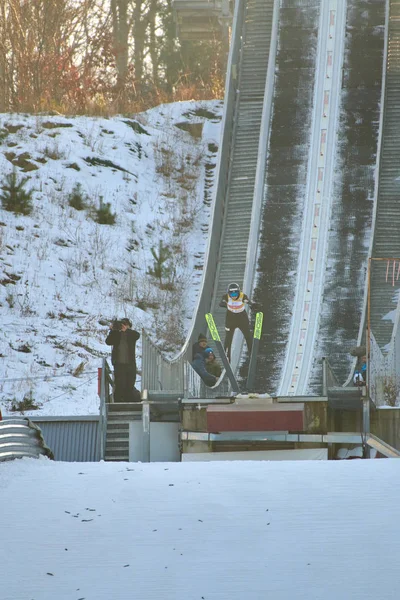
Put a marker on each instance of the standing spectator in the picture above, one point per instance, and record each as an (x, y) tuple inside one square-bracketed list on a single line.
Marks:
[(199, 346), (123, 357), (236, 316), (364, 367), (360, 376)]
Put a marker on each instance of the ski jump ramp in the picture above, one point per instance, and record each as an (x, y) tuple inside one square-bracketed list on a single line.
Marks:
[(252, 105), (237, 204), (315, 226)]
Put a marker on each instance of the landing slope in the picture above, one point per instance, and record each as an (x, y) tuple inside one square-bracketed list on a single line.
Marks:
[(204, 531)]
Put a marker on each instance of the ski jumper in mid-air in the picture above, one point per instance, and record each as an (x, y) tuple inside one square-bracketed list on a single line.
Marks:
[(236, 316)]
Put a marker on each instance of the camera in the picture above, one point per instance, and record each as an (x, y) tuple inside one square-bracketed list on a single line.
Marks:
[(116, 326)]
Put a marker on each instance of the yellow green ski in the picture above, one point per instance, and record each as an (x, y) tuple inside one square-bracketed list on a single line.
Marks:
[(251, 374), (217, 341)]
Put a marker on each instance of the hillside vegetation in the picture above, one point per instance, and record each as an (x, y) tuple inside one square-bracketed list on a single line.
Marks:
[(100, 218)]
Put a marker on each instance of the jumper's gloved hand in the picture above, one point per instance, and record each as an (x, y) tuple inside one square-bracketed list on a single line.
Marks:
[(222, 304)]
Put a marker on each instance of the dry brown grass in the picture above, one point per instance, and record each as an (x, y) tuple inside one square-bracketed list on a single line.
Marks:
[(108, 106)]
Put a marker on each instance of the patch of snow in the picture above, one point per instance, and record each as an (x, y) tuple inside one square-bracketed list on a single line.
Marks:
[(390, 316)]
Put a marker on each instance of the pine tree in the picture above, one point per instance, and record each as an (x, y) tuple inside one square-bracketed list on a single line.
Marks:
[(14, 196), (160, 268), (104, 216), (77, 199)]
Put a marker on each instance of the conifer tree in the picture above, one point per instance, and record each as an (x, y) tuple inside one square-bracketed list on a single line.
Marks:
[(104, 216), (160, 268), (14, 196)]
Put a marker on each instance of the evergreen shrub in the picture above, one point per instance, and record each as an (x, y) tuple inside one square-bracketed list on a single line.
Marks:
[(14, 196)]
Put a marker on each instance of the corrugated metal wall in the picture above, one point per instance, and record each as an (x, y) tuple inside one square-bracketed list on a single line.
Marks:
[(71, 439)]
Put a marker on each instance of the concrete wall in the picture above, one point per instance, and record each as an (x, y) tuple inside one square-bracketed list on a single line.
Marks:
[(385, 423), (316, 417)]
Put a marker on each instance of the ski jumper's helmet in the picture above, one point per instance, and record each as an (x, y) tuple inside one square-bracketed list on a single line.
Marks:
[(233, 290)]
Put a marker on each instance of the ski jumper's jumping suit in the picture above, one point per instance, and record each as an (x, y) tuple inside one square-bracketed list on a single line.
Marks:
[(236, 317)]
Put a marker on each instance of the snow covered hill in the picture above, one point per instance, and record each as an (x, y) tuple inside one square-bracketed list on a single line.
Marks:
[(65, 276)]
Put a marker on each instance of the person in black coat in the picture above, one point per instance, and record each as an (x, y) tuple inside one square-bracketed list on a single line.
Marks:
[(199, 346), (123, 357)]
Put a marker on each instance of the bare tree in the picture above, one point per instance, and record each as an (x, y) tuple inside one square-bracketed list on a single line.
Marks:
[(119, 10), (153, 43), (96, 55), (139, 26)]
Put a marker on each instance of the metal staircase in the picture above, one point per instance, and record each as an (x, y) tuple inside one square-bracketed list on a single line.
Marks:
[(256, 39), (117, 433), (386, 244)]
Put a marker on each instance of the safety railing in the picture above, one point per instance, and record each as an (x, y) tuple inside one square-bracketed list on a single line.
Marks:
[(20, 438), (195, 387), (384, 368), (158, 373), (328, 377), (106, 386)]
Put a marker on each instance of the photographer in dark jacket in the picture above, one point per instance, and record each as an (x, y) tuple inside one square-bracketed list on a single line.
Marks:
[(123, 357)]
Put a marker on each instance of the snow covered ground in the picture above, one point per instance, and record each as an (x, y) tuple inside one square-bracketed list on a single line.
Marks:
[(200, 531), (64, 277)]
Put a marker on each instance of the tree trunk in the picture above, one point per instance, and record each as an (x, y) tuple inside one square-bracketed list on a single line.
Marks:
[(153, 49), (139, 30), (119, 9)]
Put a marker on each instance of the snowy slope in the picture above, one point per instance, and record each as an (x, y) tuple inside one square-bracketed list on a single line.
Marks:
[(64, 276), (309, 530)]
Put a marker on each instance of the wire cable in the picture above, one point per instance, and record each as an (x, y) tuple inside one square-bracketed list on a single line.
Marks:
[(45, 377), (69, 391)]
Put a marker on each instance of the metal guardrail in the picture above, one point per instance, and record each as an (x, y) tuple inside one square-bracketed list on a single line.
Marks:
[(106, 383), (384, 369), (328, 377), (382, 447), (20, 438), (158, 373)]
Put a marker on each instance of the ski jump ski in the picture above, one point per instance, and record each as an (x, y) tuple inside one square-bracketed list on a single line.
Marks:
[(217, 340), (251, 374)]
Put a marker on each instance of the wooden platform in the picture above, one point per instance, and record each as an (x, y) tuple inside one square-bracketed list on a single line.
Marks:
[(256, 417)]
